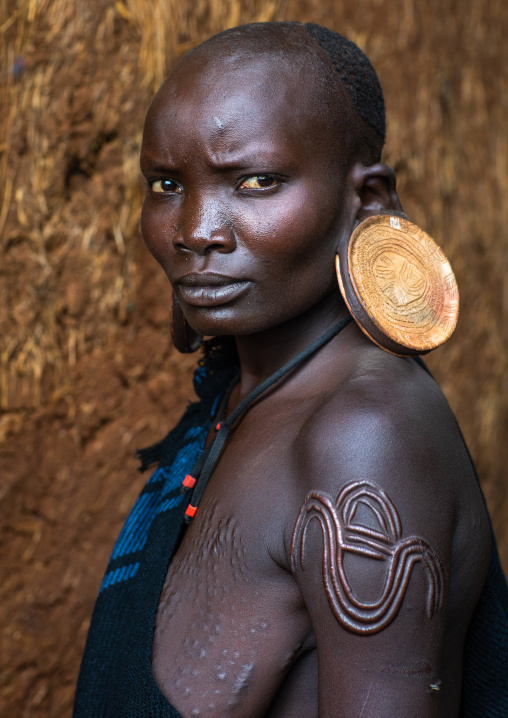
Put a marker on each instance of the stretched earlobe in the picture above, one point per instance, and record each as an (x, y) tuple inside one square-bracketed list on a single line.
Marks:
[(377, 191), (185, 339), (398, 285)]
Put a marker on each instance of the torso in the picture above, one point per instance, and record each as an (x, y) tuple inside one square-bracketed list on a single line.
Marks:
[(233, 636)]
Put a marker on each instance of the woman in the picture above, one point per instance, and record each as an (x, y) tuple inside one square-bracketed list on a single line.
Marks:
[(314, 541)]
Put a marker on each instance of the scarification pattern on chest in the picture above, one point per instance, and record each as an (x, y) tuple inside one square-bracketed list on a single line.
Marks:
[(343, 532), (207, 639)]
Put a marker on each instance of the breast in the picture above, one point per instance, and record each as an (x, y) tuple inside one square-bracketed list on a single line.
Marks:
[(230, 623)]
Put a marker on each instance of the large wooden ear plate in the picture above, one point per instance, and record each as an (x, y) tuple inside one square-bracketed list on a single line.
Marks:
[(398, 285)]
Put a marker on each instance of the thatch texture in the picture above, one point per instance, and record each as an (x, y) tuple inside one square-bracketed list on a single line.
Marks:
[(86, 369)]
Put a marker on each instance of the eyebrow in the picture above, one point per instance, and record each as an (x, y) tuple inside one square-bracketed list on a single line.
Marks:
[(148, 166), (249, 159), (149, 163), (256, 161)]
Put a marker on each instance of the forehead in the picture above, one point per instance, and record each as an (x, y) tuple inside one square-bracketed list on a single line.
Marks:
[(201, 83), (244, 96)]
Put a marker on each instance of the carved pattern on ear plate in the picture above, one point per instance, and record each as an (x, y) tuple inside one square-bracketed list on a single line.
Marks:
[(342, 533), (403, 281)]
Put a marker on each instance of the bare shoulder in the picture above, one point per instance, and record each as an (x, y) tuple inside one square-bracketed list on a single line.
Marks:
[(386, 420), (389, 539), (381, 462)]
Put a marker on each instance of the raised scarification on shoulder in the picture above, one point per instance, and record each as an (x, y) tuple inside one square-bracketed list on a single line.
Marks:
[(343, 533)]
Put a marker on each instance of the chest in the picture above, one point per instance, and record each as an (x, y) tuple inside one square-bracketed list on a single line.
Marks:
[(231, 621)]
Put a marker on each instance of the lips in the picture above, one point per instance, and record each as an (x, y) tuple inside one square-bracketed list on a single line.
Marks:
[(210, 290)]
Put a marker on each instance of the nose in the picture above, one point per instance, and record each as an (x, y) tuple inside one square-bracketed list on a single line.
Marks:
[(205, 227)]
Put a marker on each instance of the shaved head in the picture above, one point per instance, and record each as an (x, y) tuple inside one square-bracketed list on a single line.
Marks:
[(346, 91), (260, 154)]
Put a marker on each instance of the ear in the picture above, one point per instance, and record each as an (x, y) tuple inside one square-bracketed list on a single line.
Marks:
[(376, 190)]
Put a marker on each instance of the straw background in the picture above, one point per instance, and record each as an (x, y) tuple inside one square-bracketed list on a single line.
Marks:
[(87, 370)]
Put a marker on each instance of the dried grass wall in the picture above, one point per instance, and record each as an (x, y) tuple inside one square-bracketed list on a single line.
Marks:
[(87, 372)]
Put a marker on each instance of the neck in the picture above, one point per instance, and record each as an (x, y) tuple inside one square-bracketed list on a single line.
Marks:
[(261, 354)]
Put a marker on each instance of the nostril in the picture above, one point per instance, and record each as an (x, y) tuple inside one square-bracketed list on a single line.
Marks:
[(216, 246), (221, 240), (181, 248)]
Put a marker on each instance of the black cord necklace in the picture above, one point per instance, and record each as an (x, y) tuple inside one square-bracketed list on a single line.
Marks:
[(207, 462)]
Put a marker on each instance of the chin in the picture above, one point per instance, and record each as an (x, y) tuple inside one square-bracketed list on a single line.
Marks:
[(213, 322), (225, 323)]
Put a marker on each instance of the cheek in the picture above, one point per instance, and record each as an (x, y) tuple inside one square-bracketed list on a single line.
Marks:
[(295, 233), (156, 230)]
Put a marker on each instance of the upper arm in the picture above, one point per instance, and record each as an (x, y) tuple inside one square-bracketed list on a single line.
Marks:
[(371, 550)]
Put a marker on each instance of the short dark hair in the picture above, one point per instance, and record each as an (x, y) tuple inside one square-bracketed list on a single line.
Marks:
[(356, 74)]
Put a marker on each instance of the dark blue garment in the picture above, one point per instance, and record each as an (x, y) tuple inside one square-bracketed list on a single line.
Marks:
[(116, 680), (485, 672)]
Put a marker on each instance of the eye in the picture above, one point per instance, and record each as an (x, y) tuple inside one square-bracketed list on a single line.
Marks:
[(260, 182), (164, 186)]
